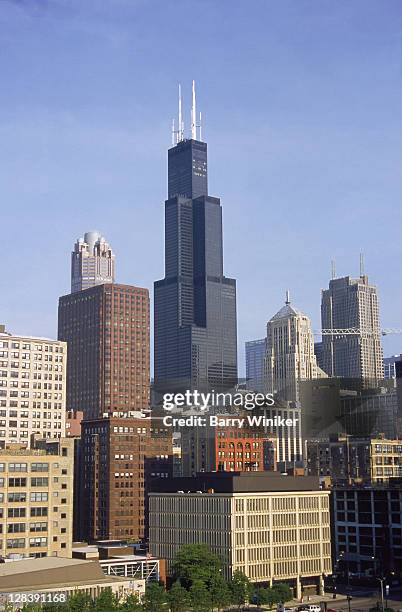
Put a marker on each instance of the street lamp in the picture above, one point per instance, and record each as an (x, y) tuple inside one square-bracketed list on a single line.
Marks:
[(382, 592)]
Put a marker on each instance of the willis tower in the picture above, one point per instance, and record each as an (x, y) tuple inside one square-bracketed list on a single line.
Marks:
[(195, 304)]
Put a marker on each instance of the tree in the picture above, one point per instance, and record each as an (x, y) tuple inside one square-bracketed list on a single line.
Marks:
[(219, 591), (131, 604), (179, 599), (240, 588), (200, 597), (195, 562), (106, 601), (155, 598), (79, 602), (283, 591)]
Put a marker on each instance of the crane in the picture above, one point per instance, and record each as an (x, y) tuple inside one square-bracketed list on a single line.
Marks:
[(356, 331)]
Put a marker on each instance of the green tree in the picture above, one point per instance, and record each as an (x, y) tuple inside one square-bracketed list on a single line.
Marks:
[(131, 604), (80, 602), (106, 601), (200, 597), (195, 562), (283, 591), (219, 591), (179, 599), (240, 588), (155, 599)]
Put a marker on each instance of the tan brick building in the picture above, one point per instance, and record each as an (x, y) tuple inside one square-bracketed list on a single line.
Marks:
[(270, 527), (36, 499)]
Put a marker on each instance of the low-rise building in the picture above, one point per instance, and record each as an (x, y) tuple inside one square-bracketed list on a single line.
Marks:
[(49, 579), (343, 459), (270, 527), (36, 499)]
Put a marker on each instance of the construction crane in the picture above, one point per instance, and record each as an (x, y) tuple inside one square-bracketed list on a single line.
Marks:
[(355, 331)]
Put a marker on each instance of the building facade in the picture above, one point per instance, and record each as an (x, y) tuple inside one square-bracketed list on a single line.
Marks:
[(255, 358), (36, 499), (367, 525), (92, 262), (107, 332), (120, 455), (270, 527), (290, 356), (389, 366), (352, 304), (343, 459), (32, 388), (195, 304)]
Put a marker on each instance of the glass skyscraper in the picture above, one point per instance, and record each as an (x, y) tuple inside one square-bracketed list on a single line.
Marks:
[(195, 304)]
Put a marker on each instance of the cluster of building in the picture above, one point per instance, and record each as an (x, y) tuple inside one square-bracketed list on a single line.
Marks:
[(89, 471)]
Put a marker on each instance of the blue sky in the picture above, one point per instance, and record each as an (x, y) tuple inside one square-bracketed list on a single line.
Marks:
[(302, 108)]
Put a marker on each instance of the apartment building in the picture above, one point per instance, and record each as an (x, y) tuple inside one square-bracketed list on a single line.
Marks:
[(343, 458), (270, 527), (36, 499), (32, 388)]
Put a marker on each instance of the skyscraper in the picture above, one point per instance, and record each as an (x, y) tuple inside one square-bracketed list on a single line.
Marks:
[(352, 303), (92, 262), (255, 357), (195, 304), (107, 333), (290, 354)]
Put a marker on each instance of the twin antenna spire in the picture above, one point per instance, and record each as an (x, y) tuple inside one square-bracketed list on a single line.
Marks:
[(178, 135)]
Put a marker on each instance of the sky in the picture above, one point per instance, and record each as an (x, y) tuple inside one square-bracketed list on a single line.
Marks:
[(301, 104)]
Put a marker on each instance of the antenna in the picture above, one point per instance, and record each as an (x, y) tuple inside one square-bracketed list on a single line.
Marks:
[(180, 129), (173, 132), (287, 301), (361, 264), (200, 126), (333, 269), (193, 115)]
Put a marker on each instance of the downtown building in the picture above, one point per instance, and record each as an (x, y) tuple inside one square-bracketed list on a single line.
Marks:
[(270, 527), (32, 388), (289, 361), (106, 328), (36, 499), (255, 359), (92, 262), (352, 304), (195, 304), (120, 456)]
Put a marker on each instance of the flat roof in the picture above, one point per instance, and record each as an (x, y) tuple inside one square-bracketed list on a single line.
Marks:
[(237, 482)]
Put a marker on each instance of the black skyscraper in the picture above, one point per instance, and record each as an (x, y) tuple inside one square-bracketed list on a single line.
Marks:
[(195, 304)]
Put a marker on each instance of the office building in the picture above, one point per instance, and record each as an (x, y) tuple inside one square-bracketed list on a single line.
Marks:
[(255, 357), (92, 262), (107, 332), (367, 525), (389, 365), (344, 459), (195, 304), (365, 412), (120, 455), (32, 388), (270, 527), (36, 499), (228, 449), (290, 356), (352, 304)]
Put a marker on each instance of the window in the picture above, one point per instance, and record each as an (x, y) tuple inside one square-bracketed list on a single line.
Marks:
[(35, 527), (16, 528), (37, 542), (41, 511), (16, 512), (17, 497), (39, 467), (17, 467), (17, 482), (16, 543), (39, 482), (39, 497)]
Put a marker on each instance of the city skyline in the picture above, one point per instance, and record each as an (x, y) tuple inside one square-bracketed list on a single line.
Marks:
[(68, 157)]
